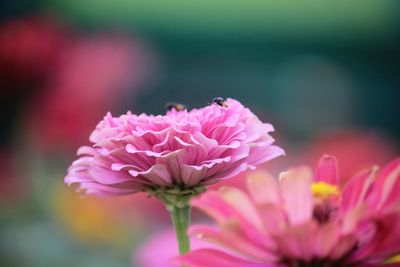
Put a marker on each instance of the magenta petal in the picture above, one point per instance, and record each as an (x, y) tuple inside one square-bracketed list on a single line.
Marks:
[(356, 190), (387, 187), (327, 170), (343, 246)]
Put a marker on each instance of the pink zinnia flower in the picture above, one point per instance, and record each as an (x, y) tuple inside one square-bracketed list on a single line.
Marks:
[(303, 220), (180, 150)]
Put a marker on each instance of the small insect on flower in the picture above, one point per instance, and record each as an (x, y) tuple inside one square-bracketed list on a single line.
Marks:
[(220, 101), (173, 105)]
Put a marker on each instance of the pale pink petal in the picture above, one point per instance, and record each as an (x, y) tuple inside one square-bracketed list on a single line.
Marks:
[(274, 218), (260, 154), (233, 241), (263, 188), (215, 258), (296, 192), (326, 239), (157, 174), (298, 241), (242, 205), (105, 175)]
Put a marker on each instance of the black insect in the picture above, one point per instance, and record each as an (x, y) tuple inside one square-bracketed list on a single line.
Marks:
[(220, 101), (173, 105)]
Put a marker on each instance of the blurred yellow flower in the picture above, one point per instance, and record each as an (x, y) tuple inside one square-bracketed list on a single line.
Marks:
[(91, 219)]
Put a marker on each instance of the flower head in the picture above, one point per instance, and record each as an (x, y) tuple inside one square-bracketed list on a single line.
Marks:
[(303, 220), (177, 151)]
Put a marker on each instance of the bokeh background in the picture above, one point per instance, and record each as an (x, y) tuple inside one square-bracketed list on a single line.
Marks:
[(326, 74)]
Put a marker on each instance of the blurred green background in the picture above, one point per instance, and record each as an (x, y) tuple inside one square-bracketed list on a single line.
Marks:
[(325, 74)]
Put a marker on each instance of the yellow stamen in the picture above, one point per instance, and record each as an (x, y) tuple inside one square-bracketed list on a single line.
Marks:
[(324, 190)]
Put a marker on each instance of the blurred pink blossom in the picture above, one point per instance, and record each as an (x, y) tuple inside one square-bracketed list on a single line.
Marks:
[(166, 246), (95, 74), (29, 50), (303, 220), (181, 149)]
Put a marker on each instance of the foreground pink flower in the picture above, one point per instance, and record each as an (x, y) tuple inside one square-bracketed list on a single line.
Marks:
[(179, 150), (173, 156), (303, 220)]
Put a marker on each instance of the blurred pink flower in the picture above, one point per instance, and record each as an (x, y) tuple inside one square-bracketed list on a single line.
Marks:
[(166, 246), (95, 74), (180, 150), (29, 50), (303, 221)]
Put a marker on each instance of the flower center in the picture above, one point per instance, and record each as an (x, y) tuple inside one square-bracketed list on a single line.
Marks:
[(315, 263), (324, 190), (324, 205)]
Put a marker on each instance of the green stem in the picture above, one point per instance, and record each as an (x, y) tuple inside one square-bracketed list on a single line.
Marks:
[(181, 220), (177, 202)]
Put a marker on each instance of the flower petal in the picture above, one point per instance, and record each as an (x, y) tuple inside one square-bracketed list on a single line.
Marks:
[(263, 188), (215, 258), (327, 170), (296, 192)]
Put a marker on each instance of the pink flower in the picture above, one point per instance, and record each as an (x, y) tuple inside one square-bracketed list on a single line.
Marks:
[(166, 246), (97, 71), (179, 150), (303, 220), (29, 50)]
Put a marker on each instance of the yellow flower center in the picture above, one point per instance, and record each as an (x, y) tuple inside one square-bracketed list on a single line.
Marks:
[(324, 190)]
